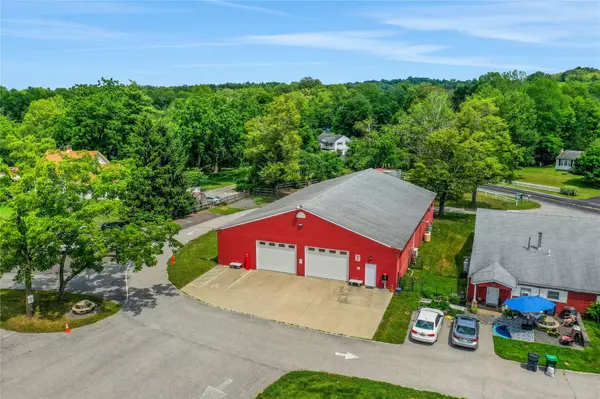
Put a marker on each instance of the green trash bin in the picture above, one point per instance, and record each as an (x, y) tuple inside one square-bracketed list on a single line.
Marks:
[(551, 361)]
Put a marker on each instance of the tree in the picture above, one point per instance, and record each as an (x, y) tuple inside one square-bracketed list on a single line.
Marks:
[(588, 165), (322, 165), (55, 207), (423, 118), (376, 150), (351, 110), (443, 166), (272, 147), (158, 185), (42, 117), (493, 157)]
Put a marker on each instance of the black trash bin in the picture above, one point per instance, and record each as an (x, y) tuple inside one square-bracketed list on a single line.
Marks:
[(532, 361)]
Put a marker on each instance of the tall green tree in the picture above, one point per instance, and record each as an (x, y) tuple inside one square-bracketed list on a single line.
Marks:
[(588, 165), (273, 144), (158, 186)]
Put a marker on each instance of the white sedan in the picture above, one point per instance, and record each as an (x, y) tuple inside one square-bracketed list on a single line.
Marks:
[(428, 325)]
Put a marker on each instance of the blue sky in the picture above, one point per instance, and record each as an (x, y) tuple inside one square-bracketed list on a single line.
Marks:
[(62, 43)]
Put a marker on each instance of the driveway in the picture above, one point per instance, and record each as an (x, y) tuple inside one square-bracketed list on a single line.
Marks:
[(320, 304), (167, 345)]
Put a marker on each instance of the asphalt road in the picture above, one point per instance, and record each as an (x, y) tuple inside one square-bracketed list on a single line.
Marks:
[(591, 206), (164, 344)]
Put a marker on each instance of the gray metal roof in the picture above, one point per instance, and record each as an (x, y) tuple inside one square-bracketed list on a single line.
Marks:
[(569, 257), (376, 205), (329, 138), (569, 155)]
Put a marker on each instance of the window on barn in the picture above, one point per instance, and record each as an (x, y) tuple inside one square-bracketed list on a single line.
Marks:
[(553, 295)]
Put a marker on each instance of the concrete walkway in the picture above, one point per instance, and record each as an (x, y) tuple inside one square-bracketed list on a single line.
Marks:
[(167, 345)]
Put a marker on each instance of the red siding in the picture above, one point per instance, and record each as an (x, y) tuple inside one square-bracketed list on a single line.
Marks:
[(505, 292), (237, 241), (578, 300)]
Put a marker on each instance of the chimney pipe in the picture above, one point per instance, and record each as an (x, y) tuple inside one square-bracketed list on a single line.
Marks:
[(539, 246)]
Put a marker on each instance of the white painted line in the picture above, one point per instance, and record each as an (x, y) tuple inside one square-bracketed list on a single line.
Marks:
[(238, 280), (213, 278), (216, 393), (127, 284), (8, 335)]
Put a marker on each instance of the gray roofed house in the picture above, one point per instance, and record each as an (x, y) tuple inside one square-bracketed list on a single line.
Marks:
[(507, 255), (333, 142), (373, 204), (566, 159)]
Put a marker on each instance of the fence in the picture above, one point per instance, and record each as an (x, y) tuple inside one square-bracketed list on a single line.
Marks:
[(538, 186), (501, 197), (223, 201), (431, 289), (279, 190)]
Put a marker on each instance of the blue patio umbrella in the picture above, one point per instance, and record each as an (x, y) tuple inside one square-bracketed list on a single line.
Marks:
[(529, 304)]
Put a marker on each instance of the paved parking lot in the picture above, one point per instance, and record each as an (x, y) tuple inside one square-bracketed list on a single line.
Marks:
[(320, 304)]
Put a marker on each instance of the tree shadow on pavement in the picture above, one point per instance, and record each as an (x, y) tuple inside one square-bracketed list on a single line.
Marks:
[(146, 298)]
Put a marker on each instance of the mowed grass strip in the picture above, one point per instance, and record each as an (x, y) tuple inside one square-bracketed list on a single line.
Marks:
[(451, 240), (225, 210), (194, 259), (319, 385), (488, 201), (396, 319), (586, 360), (49, 315)]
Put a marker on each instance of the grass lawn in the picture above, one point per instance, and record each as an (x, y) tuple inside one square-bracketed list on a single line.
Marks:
[(225, 210), (317, 385), (442, 258), (5, 212), (226, 177), (194, 259), (49, 315), (488, 201), (547, 176), (263, 200), (587, 360), (395, 322)]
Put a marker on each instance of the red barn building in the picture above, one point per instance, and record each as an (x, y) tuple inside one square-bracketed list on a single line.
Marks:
[(360, 226), (516, 253)]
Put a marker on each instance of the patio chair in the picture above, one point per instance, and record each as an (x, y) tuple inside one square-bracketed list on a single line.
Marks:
[(569, 339)]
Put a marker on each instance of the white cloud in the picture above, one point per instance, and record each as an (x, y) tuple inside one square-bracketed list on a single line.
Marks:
[(247, 7), (56, 30), (525, 22), (378, 43)]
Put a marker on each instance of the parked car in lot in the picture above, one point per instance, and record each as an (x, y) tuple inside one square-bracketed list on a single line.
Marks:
[(427, 326), (465, 331), (213, 199)]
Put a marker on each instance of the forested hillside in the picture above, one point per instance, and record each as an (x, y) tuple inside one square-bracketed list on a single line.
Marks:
[(471, 132)]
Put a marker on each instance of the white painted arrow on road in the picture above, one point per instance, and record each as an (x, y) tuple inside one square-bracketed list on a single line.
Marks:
[(347, 355), (216, 393)]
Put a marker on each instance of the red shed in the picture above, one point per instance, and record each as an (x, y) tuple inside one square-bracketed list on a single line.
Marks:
[(360, 226)]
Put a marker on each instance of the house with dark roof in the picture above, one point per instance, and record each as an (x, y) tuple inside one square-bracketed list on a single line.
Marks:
[(363, 226), (516, 254), (566, 159), (334, 142)]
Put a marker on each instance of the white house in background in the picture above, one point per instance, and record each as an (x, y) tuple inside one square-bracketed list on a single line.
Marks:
[(566, 159), (334, 142)]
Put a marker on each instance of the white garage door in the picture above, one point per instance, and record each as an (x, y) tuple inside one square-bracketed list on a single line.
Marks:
[(326, 263), (276, 256)]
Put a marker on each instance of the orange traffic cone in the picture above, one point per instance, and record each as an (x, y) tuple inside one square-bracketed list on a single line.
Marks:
[(173, 259), (67, 328)]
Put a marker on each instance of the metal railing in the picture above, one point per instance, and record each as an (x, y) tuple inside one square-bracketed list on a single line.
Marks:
[(223, 201)]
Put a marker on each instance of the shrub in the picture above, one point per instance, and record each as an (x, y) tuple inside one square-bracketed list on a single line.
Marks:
[(454, 299), (195, 178), (427, 293), (570, 191), (441, 305), (594, 310)]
